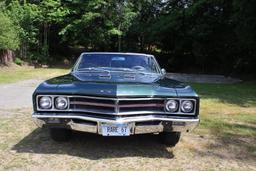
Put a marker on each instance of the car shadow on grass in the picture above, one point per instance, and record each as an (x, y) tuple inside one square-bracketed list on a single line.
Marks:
[(93, 146), (230, 147), (232, 140)]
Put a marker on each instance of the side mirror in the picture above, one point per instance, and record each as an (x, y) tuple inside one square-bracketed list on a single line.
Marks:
[(163, 71)]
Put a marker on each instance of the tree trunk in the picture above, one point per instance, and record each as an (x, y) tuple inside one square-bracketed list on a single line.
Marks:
[(45, 40), (141, 42), (23, 50), (119, 39), (6, 56), (45, 34)]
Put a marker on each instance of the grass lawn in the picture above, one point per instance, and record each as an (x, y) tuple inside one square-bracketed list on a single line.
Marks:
[(228, 112), (13, 74), (228, 109), (224, 140)]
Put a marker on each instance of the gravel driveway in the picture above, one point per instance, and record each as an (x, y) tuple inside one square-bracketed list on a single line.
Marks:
[(17, 95)]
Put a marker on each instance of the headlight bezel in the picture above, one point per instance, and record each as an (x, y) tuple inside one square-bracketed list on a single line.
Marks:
[(168, 102), (180, 101), (183, 110), (53, 103), (40, 106), (61, 98)]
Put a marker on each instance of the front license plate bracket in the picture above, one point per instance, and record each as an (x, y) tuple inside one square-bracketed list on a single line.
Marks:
[(115, 129)]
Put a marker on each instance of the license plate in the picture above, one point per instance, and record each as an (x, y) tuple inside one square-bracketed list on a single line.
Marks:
[(115, 129)]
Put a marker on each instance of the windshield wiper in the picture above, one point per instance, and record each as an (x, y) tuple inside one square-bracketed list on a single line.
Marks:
[(136, 71), (123, 69), (92, 69)]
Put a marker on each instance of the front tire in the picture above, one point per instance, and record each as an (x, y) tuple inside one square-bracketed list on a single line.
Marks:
[(60, 134), (170, 138)]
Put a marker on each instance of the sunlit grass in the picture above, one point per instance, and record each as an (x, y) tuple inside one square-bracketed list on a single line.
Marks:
[(228, 110), (10, 75), (242, 94)]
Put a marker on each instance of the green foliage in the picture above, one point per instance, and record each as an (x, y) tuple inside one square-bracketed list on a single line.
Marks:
[(209, 36), (25, 16), (52, 11), (8, 33), (18, 61), (95, 24), (39, 57)]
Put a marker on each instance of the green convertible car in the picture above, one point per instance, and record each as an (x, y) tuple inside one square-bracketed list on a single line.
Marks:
[(116, 94)]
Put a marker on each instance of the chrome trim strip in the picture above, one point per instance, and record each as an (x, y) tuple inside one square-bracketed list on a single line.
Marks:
[(117, 120), (117, 114), (142, 105), (138, 112), (119, 105), (145, 129), (108, 98), (92, 104), (83, 127)]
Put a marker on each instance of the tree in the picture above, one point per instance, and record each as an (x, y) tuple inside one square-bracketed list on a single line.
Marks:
[(245, 28), (9, 39), (125, 14), (209, 36), (26, 16), (96, 24), (52, 12)]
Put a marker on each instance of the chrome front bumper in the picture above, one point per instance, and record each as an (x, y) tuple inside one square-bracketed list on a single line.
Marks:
[(138, 124)]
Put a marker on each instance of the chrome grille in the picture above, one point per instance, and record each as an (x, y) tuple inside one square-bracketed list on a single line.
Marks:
[(93, 105), (116, 106)]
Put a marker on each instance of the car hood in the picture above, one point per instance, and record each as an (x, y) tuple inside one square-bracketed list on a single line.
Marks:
[(148, 86)]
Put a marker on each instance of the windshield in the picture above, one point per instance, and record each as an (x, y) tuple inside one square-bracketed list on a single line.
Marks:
[(117, 62)]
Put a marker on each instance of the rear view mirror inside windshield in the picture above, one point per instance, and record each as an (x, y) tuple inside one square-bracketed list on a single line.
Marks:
[(118, 58)]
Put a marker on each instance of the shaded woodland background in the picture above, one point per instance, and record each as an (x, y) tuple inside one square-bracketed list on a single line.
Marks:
[(199, 36)]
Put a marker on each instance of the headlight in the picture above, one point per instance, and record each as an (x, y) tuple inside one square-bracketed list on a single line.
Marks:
[(45, 102), (171, 106), (61, 103), (187, 106)]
